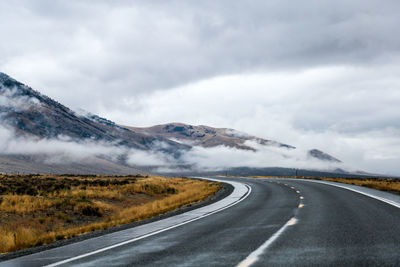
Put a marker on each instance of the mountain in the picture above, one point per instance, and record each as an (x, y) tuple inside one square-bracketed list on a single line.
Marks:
[(30, 113), (36, 117), (207, 136)]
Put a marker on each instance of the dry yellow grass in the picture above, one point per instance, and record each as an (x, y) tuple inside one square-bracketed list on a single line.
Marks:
[(384, 184), (82, 204), (24, 204)]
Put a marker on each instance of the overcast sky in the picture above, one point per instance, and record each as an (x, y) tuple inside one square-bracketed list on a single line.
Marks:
[(313, 74)]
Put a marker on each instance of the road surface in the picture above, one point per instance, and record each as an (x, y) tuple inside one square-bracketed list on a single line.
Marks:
[(279, 223)]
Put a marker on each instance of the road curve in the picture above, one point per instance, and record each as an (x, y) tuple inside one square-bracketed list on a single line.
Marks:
[(280, 223)]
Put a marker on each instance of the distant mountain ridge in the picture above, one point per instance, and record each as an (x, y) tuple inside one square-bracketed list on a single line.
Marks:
[(206, 136)]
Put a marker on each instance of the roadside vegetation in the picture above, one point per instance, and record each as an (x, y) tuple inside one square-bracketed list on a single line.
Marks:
[(383, 184), (40, 209)]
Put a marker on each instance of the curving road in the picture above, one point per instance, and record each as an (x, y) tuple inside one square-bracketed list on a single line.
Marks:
[(280, 223)]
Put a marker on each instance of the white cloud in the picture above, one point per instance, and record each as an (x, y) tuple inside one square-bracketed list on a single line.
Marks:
[(220, 157), (145, 158), (10, 99), (65, 150)]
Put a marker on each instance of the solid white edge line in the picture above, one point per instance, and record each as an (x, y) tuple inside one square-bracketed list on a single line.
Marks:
[(150, 234), (388, 201), (254, 256)]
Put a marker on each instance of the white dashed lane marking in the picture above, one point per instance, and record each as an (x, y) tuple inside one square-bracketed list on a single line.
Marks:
[(254, 256)]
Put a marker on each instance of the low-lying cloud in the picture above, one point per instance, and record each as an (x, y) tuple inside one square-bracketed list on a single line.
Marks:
[(64, 150), (223, 157), (10, 99)]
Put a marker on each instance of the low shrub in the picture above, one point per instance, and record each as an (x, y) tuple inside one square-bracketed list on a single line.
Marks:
[(89, 210)]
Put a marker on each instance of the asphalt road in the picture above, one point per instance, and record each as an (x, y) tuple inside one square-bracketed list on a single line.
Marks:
[(281, 223)]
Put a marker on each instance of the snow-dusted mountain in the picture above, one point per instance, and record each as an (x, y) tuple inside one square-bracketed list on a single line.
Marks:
[(31, 116)]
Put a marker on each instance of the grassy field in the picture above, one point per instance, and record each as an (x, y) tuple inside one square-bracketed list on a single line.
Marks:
[(384, 184), (37, 210)]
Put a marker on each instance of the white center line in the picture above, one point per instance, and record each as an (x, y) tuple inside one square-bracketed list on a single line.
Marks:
[(254, 256)]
